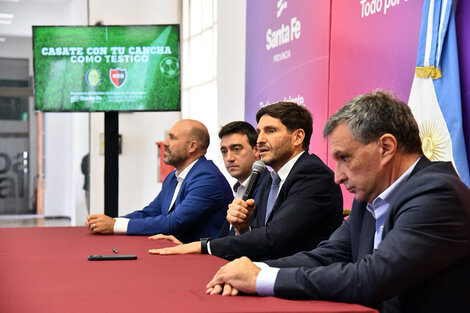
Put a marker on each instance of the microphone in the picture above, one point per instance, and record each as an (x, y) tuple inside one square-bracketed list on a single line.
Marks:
[(258, 169)]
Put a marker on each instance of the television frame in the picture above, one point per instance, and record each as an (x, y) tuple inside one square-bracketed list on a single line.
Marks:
[(93, 77)]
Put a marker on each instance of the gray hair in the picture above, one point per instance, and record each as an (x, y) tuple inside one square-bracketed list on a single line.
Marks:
[(369, 116)]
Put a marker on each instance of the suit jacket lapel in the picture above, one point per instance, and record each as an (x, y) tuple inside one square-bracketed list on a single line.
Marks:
[(183, 184), (366, 243), (422, 163), (281, 195), (362, 230)]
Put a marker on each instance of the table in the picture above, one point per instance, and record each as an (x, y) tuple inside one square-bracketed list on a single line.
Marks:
[(45, 269)]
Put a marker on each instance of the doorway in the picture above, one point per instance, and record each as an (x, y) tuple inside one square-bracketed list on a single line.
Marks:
[(18, 169)]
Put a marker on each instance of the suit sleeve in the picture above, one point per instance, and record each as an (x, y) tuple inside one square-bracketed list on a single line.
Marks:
[(307, 200), (203, 195), (336, 249), (430, 232)]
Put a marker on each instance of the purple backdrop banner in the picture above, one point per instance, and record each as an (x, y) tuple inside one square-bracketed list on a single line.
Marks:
[(292, 53), (287, 59)]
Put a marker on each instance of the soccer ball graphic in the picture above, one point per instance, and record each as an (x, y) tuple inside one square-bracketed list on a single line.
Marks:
[(170, 66)]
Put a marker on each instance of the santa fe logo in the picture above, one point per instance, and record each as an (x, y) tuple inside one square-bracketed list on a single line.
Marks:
[(118, 76)]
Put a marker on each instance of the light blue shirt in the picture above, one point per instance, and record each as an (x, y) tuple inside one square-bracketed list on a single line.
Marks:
[(379, 209)]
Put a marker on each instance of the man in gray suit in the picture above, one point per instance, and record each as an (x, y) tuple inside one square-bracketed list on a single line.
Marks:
[(405, 246)]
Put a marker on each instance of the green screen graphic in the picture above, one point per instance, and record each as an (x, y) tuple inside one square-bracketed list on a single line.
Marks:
[(106, 68)]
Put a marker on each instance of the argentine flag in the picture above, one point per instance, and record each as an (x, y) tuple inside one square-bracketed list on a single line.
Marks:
[(435, 94)]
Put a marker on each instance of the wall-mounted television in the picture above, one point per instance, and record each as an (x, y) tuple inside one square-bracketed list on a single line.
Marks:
[(107, 68)]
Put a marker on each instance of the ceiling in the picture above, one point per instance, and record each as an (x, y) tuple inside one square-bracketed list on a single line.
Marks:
[(31, 12)]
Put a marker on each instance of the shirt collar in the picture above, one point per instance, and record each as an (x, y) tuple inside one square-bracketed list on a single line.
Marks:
[(236, 186), (182, 175), (391, 191), (286, 168), (244, 184)]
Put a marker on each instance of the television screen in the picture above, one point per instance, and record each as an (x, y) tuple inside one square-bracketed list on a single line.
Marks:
[(106, 68)]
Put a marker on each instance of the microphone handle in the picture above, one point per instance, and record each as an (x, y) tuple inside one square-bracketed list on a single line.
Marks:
[(250, 189)]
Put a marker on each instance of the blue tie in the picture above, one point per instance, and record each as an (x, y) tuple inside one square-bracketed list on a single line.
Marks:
[(272, 196)]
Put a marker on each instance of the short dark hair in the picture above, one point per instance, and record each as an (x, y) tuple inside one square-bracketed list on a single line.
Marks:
[(371, 115), (292, 115), (240, 127)]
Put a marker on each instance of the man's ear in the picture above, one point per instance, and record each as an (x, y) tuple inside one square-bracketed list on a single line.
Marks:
[(256, 152), (298, 136), (388, 147), (193, 146)]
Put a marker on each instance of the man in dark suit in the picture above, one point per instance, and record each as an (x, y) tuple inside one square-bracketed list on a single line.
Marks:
[(294, 214), (406, 245), (194, 196), (239, 152)]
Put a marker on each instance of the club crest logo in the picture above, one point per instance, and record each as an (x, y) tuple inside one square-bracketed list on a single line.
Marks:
[(118, 76), (93, 77)]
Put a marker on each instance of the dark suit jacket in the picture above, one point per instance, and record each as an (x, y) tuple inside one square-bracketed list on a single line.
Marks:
[(307, 210), (225, 229), (199, 210), (421, 265)]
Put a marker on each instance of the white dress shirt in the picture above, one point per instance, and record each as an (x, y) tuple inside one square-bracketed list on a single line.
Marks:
[(238, 191)]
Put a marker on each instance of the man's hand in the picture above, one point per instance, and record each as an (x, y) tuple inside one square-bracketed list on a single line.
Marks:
[(188, 248), (239, 214), (238, 275), (225, 290), (100, 224), (167, 237)]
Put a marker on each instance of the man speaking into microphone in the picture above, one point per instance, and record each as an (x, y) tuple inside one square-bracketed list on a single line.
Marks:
[(296, 208)]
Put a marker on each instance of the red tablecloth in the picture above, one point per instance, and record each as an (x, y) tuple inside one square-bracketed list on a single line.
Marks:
[(45, 269)]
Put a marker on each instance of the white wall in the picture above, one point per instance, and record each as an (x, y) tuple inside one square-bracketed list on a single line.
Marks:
[(138, 163), (65, 134), (120, 12), (230, 67), (65, 143), (231, 60)]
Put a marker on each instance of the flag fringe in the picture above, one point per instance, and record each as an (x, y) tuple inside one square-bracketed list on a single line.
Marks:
[(428, 71)]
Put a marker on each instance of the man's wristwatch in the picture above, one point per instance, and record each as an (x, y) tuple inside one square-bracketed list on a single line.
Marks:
[(204, 242)]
